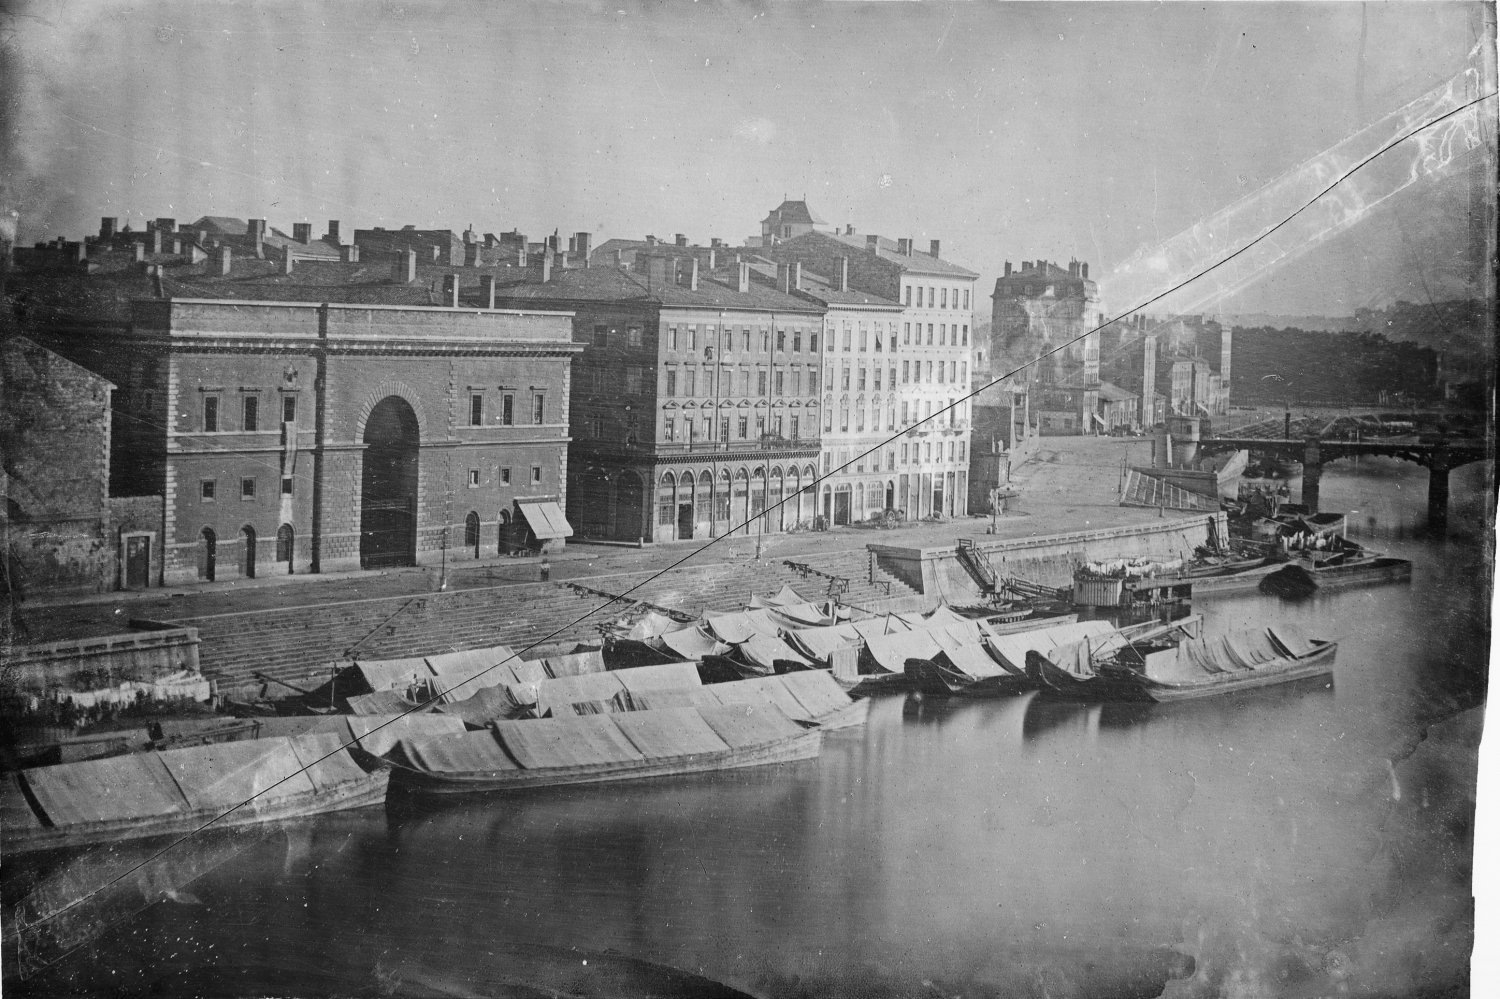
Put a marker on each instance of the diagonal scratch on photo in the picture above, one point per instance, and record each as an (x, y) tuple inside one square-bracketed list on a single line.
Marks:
[(732, 499)]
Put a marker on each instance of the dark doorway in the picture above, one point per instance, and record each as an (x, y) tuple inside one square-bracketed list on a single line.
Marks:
[(629, 501), (247, 534), (890, 495), (137, 563), (684, 521), (285, 546), (210, 563), (471, 532), (841, 506), (388, 488)]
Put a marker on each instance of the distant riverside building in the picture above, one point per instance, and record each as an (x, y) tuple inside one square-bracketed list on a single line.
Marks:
[(787, 221), (1177, 365), (695, 402), (311, 415), (933, 355)]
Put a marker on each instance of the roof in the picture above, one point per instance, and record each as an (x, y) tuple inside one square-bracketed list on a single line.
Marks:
[(224, 225), (916, 262), (609, 284), (794, 212), (1110, 392)]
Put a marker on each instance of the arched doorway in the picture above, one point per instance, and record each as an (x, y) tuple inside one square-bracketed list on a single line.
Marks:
[(890, 495), (208, 561), (503, 543), (247, 535), (388, 489), (285, 546), (471, 533)]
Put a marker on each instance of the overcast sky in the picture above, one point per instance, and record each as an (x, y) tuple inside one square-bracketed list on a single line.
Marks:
[(1007, 131)]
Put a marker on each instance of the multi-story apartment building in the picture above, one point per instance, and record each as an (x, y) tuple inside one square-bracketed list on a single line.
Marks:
[(932, 350), (696, 400)]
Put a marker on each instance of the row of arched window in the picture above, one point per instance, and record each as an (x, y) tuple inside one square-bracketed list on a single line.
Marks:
[(208, 551)]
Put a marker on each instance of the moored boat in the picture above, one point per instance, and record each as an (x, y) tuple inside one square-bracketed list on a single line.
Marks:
[(552, 752)]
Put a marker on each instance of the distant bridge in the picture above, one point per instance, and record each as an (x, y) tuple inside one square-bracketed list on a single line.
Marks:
[(1439, 454)]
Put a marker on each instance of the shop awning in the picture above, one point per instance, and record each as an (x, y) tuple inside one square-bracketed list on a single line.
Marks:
[(546, 519)]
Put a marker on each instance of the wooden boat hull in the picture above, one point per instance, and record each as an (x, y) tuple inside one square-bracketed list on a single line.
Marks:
[(1319, 663), (1054, 681), (927, 677), (410, 781), (355, 794), (852, 715), (871, 684)]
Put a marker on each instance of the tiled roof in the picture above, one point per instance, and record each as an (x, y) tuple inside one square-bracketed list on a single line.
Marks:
[(917, 262)]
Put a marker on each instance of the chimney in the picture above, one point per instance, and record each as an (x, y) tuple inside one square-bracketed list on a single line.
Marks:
[(546, 266), (783, 277), (680, 239), (903, 247), (842, 280), (302, 232), (78, 252), (225, 260), (619, 259), (107, 227), (286, 260), (349, 253), (743, 285), (155, 240), (936, 246), (487, 290), (713, 256), (140, 251), (521, 254), (332, 235), (849, 230), (1072, 268), (1083, 269), (715, 242), (257, 234), (693, 276), (406, 266), (1007, 268), (797, 276), (583, 243), (450, 290), (166, 225), (176, 247), (650, 240), (872, 244), (1026, 265)]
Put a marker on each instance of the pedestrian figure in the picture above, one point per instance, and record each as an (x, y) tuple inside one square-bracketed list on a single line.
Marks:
[(546, 568)]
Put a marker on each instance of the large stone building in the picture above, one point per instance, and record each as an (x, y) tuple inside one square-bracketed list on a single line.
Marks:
[(1041, 318), (933, 355), (695, 402), (308, 416)]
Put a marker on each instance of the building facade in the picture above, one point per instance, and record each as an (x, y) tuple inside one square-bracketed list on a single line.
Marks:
[(695, 401), (1042, 316)]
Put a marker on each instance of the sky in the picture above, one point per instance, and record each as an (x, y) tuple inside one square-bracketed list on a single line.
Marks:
[(1007, 131)]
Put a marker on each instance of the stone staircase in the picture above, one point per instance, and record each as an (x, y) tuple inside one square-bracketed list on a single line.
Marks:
[(299, 644)]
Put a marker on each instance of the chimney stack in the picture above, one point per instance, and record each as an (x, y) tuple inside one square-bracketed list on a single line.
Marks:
[(743, 285), (1007, 268), (680, 239), (406, 266), (619, 259), (936, 246), (693, 276), (302, 232), (257, 233), (107, 227), (349, 253), (286, 260), (450, 290), (78, 252), (872, 244), (332, 235), (487, 290), (1026, 265), (140, 251), (546, 265), (156, 240), (584, 243), (1084, 269), (713, 256), (903, 247), (225, 260), (796, 276), (842, 281), (849, 230), (783, 278), (167, 225)]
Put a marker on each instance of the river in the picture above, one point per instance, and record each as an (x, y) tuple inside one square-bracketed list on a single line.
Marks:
[(1291, 842)]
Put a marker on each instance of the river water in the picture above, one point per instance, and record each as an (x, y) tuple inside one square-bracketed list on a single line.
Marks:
[(1294, 842)]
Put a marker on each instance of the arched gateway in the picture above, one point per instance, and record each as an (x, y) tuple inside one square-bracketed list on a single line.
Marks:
[(388, 489)]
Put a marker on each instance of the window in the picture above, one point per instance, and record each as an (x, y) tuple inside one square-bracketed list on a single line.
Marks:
[(780, 340), (844, 378), (796, 423), (827, 462), (961, 449), (601, 335), (288, 409), (796, 341), (812, 343), (877, 379), (596, 427), (908, 295), (930, 297), (690, 381), (942, 372), (745, 339), (744, 427), (724, 429), (905, 413), (247, 489), (476, 410), (848, 339), (942, 333), (211, 414), (905, 371), (669, 429), (966, 301), (508, 409), (864, 337), (904, 458), (473, 478), (252, 413), (286, 485), (812, 375), (906, 332), (780, 382), (536, 474), (966, 334), (760, 382), (707, 432), (538, 408), (632, 383), (861, 379), (765, 341), (206, 490), (633, 336), (943, 302), (892, 382), (828, 421), (890, 461), (671, 381), (844, 418), (505, 476), (859, 419), (760, 426), (671, 337), (929, 334)]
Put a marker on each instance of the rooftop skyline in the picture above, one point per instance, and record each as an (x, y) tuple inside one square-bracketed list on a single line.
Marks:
[(1010, 132)]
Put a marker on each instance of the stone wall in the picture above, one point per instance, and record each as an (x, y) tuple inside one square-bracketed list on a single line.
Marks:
[(105, 660)]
